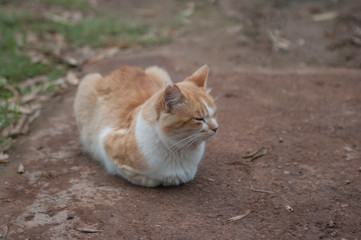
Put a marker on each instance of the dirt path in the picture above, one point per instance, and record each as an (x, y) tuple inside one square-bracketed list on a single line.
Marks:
[(306, 187)]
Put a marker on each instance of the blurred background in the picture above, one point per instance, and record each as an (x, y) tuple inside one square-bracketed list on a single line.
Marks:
[(45, 44)]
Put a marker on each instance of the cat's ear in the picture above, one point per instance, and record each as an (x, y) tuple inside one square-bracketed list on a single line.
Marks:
[(172, 96), (199, 78)]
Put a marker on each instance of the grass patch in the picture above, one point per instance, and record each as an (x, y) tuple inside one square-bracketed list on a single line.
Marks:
[(16, 24), (8, 112), (69, 4)]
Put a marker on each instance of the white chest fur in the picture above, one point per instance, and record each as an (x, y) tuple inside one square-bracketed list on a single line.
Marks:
[(163, 165)]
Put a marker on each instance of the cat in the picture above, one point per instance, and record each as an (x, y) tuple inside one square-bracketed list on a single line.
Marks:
[(141, 126)]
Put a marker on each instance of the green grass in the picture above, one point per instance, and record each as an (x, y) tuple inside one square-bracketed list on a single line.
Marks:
[(68, 4), (8, 112), (92, 31)]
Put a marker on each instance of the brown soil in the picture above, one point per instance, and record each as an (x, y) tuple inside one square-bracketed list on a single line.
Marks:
[(304, 111)]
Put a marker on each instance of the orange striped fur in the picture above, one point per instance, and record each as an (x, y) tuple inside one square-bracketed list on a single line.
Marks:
[(143, 127)]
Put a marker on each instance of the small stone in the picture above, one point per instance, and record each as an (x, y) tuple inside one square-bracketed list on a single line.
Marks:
[(333, 234), (287, 172), (347, 182), (331, 224), (21, 169), (280, 139)]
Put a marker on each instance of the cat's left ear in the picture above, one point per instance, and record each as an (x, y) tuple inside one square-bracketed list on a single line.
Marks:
[(199, 78), (171, 97)]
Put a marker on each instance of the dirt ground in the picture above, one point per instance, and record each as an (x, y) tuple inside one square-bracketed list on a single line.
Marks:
[(302, 103)]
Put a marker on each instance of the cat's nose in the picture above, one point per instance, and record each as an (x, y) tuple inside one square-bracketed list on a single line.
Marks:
[(215, 129)]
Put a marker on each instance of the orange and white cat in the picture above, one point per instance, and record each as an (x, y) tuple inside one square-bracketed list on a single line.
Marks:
[(143, 127)]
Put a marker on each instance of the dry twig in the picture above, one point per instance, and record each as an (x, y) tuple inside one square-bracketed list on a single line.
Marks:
[(260, 190), (235, 218), (259, 153), (89, 230)]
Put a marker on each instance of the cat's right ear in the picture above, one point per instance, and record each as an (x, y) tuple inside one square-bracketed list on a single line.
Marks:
[(199, 78), (171, 97)]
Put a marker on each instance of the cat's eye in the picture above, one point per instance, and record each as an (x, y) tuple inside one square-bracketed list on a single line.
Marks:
[(199, 119)]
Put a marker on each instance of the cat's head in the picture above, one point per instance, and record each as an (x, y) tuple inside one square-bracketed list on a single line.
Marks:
[(188, 110)]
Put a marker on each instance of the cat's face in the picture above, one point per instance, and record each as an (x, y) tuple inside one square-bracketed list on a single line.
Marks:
[(189, 113)]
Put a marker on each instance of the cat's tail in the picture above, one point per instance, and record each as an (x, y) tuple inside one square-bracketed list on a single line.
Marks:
[(160, 75)]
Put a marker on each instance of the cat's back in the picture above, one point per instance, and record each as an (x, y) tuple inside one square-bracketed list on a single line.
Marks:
[(115, 97), (125, 89)]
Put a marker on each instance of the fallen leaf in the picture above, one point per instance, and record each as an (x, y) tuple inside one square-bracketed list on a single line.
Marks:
[(111, 51), (259, 153), (189, 11), (289, 208), (4, 158), (95, 59), (279, 43), (89, 230), (232, 219), (71, 61), (57, 18), (347, 148), (30, 96), (19, 125), (25, 128), (32, 81), (356, 41), (260, 190), (71, 78), (21, 169), (34, 116), (326, 16)]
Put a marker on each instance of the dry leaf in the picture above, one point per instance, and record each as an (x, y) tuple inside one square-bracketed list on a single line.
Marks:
[(289, 208), (34, 116), (71, 78), (239, 216), (347, 148), (21, 169), (4, 158), (278, 42), (32, 81), (89, 230), (259, 153), (25, 128), (71, 61), (17, 129), (30, 96), (95, 59), (327, 16)]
